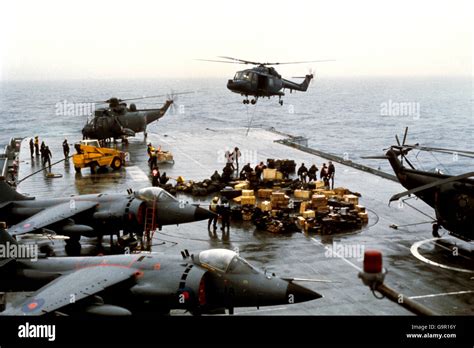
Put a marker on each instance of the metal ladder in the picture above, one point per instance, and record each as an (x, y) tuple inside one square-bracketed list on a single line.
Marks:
[(150, 225)]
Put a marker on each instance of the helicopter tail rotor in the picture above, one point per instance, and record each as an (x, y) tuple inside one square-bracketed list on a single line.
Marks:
[(172, 97)]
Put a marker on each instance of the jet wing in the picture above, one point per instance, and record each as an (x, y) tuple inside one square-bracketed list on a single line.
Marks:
[(50, 216), (70, 288)]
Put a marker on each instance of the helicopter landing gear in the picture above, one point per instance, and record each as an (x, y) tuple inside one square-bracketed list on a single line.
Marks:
[(436, 230), (247, 101), (280, 101)]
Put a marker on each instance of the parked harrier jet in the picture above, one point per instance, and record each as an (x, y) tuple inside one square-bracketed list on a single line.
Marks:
[(95, 215), (208, 282)]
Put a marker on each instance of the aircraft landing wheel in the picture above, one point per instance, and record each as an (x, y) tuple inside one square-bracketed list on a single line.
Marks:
[(253, 101), (77, 169), (281, 102), (436, 230), (116, 163)]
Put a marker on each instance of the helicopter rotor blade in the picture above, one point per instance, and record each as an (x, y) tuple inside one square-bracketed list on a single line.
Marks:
[(462, 153), (431, 185), (398, 140), (142, 97), (405, 136), (302, 62), (374, 157), (219, 61), (156, 96), (241, 61)]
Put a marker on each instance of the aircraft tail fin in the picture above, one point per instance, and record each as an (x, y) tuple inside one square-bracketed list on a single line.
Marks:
[(8, 194), (305, 84)]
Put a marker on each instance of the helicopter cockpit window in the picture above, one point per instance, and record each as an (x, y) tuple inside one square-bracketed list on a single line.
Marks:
[(238, 76), (245, 76), (226, 261), (152, 193)]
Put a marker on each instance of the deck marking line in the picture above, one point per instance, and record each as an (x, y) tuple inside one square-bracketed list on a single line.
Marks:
[(414, 250)]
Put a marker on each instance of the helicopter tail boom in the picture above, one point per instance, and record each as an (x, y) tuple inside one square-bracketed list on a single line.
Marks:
[(303, 86), (152, 116)]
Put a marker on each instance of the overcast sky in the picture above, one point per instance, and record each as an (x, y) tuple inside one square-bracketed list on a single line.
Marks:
[(51, 39)]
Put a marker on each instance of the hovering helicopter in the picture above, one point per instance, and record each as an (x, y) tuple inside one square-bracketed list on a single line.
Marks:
[(119, 121), (263, 80), (451, 197)]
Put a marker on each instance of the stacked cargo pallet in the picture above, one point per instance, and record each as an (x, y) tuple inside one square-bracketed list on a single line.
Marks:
[(272, 175), (279, 200)]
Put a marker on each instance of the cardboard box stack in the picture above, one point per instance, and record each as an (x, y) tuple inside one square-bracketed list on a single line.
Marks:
[(279, 200), (353, 199), (248, 200), (309, 214), (364, 217), (264, 193), (269, 174), (329, 193), (319, 202), (247, 193), (242, 185), (302, 194), (301, 222)]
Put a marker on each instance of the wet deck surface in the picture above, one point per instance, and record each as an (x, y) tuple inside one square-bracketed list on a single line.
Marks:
[(438, 273)]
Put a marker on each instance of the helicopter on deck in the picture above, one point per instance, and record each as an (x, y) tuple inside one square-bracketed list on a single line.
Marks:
[(451, 197), (119, 121), (263, 80)]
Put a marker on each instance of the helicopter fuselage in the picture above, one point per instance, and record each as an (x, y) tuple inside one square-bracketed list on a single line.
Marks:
[(120, 121), (452, 202), (263, 82)]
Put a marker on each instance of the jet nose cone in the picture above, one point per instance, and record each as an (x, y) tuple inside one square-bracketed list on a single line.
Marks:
[(202, 214), (300, 293)]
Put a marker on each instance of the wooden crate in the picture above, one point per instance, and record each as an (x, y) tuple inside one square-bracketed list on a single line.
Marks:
[(301, 222), (360, 208), (302, 194), (243, 185), (264, 193), (247, 193), (319, 201), (248, 200), (309, 214), (303, 206), (353, 199), (328, 193), (364, 217), (269, 174)]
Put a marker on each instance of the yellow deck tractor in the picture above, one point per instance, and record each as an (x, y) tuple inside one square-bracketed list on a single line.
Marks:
[(90, 154)]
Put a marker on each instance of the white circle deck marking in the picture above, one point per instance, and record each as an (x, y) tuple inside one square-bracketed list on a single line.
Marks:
[(414, 250)]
